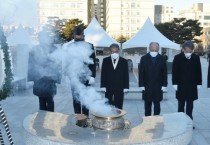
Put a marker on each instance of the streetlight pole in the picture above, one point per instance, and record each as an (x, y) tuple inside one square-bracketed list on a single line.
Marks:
[(121, 49)]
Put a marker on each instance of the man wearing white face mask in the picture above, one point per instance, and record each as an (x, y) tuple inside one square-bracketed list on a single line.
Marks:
[(186, 77), (152, 79), (115, 77)]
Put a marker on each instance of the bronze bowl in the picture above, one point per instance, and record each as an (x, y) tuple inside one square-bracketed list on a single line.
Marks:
[(114, 122)]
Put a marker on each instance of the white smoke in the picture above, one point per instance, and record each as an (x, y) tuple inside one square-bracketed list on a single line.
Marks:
[(75, 57), (18, 12)]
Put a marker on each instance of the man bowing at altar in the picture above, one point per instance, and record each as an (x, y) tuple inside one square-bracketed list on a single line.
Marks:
[(115, 77)]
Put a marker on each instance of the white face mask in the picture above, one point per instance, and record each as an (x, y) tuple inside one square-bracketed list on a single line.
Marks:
[(115, 55), (187, 54), (153, 54)]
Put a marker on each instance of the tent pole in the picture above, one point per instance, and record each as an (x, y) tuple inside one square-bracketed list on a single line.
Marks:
[(121, 50)]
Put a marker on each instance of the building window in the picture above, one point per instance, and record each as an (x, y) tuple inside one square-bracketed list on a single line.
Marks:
[(133, 13), (127, 27), (127, 5), (79, 5), (206, 17), (127, 12), (127, 35), (133, 28), (127, 20), (133, 21), (133, 5), (205, 24), (73, 5), (55, 5)]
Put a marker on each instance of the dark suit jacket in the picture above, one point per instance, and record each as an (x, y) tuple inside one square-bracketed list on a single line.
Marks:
[(114, 79), (186, 73), (92, 67), (152, 76)]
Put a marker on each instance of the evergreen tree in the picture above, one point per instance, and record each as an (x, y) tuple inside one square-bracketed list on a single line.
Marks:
[(180, 29), (121, 39), (6, 89), (67, 31)]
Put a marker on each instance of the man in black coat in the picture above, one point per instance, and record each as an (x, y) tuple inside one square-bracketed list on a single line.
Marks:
[(186, 77), (44, 71), (115, 77), (78, 107), (152, 78)]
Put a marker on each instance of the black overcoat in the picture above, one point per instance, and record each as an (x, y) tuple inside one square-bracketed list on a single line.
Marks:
[(114, 80), (40, 64), (186, 73), (152, 76)]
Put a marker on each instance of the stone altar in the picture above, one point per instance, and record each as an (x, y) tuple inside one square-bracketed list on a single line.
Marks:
[(48, 128)]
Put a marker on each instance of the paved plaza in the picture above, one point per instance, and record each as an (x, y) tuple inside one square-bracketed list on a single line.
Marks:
[(23, 103)]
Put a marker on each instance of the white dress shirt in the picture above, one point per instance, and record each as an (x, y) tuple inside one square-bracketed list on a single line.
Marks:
[(116, 62)]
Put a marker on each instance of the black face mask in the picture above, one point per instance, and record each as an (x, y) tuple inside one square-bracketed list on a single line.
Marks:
[(81, 39)]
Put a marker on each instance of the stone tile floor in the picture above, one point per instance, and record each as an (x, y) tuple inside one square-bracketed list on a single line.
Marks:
[(17, 107)]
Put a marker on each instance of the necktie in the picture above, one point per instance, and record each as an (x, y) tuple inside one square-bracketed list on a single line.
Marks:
[(153, 60), (114, 61)]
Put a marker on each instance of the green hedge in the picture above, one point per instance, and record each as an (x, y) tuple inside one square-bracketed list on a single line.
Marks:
[(6, 89)]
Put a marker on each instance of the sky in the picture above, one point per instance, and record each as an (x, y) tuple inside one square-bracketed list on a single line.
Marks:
[(178, 4)]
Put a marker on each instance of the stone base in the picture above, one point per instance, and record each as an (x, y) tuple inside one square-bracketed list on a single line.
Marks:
[(48, 128)]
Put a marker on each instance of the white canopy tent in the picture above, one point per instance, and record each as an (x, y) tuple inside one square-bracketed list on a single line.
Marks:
[(148, 33), (96, 35)]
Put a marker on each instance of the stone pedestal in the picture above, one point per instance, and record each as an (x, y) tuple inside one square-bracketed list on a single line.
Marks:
[(20, 55), (48, 128)]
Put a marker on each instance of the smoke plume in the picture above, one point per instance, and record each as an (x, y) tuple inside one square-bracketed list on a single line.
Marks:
[(75, 60)]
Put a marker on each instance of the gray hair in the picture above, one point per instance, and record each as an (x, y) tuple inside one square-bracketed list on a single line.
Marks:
[(188, 44), (151, 43)]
